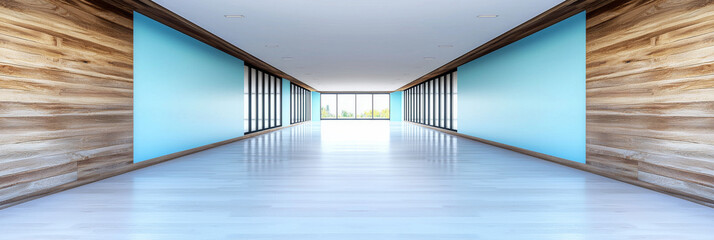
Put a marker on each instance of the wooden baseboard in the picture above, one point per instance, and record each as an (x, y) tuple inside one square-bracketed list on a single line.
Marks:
[(132, 167), (579, 166)]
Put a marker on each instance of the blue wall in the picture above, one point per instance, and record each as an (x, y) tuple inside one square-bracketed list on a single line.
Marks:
[(395, 106), (530, 94), (186, 93), (285, 105), (315, 111)]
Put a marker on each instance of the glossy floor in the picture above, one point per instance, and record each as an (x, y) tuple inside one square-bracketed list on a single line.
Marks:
[(357, 180)]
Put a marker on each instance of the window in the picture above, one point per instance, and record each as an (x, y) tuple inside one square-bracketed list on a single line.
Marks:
[(433, 102), (261, 100), (381, 106), (345, 106), (362, 106), (328, 106), (300, 102)]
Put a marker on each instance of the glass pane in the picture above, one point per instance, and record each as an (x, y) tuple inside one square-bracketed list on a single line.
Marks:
[(261, 101), (423, 104), (437, 108), (411, 105), (428, 103), (279, 101), (253, 100), (306, 106), (405, 105), (381, 106), (431, 103), (346, 105), (364, 106), (440, 102), (271, 86), (292, 103), (328, 106), (455, 101), (447, 107), (246, 96), (301, 103), (420, 103)]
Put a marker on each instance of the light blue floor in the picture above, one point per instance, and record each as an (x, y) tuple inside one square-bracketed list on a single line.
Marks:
[(370, 180)]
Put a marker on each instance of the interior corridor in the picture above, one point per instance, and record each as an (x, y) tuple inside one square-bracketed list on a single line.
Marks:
[(357, 180)]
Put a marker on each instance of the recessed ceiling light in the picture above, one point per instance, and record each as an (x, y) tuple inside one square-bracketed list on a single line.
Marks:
[(272, 45), (287, 58), (234, 16), (429, 58), (487, 16), (446, 46)]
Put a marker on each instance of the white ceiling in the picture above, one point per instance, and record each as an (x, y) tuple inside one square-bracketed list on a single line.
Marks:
[(357, 45)]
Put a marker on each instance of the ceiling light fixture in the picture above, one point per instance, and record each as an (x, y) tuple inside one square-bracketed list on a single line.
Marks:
[(272, 45), (487, 16), (234, 16), (446, 46), (429, 58), (287, 58)]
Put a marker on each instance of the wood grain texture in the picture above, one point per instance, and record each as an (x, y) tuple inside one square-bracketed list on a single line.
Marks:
[(173, 20), (554, 15), (66, 82), (71, 169), (650, 93), (581, 166)]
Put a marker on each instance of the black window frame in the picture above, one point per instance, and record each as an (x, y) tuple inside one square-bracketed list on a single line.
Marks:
[(300, 104), (265, 81), (427, 102), (337, 102)]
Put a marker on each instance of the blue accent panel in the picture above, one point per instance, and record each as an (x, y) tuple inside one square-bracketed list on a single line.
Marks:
[(395, 106), (186, 94), (315, 111), (285, 105), (530, 94)]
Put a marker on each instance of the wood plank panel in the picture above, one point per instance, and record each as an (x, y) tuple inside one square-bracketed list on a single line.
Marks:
[(66, 94), (650, 93), (11, 196)]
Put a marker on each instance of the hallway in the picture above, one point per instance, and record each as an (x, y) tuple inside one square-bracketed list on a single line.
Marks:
[(357, 180)]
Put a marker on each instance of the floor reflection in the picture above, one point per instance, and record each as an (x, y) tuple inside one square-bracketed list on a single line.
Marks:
[(357, 180)]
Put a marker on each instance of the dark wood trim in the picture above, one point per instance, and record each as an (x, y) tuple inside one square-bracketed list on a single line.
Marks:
[(356, 92), (546, 19), (132, 167), (173, 20), (579, 166)]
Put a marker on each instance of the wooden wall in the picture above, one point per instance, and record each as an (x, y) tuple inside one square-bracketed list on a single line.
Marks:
[(65, 94), (650, 94)]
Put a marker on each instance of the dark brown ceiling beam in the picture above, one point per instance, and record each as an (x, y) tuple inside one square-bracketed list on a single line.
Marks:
[(173, 20), (546, 19)]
